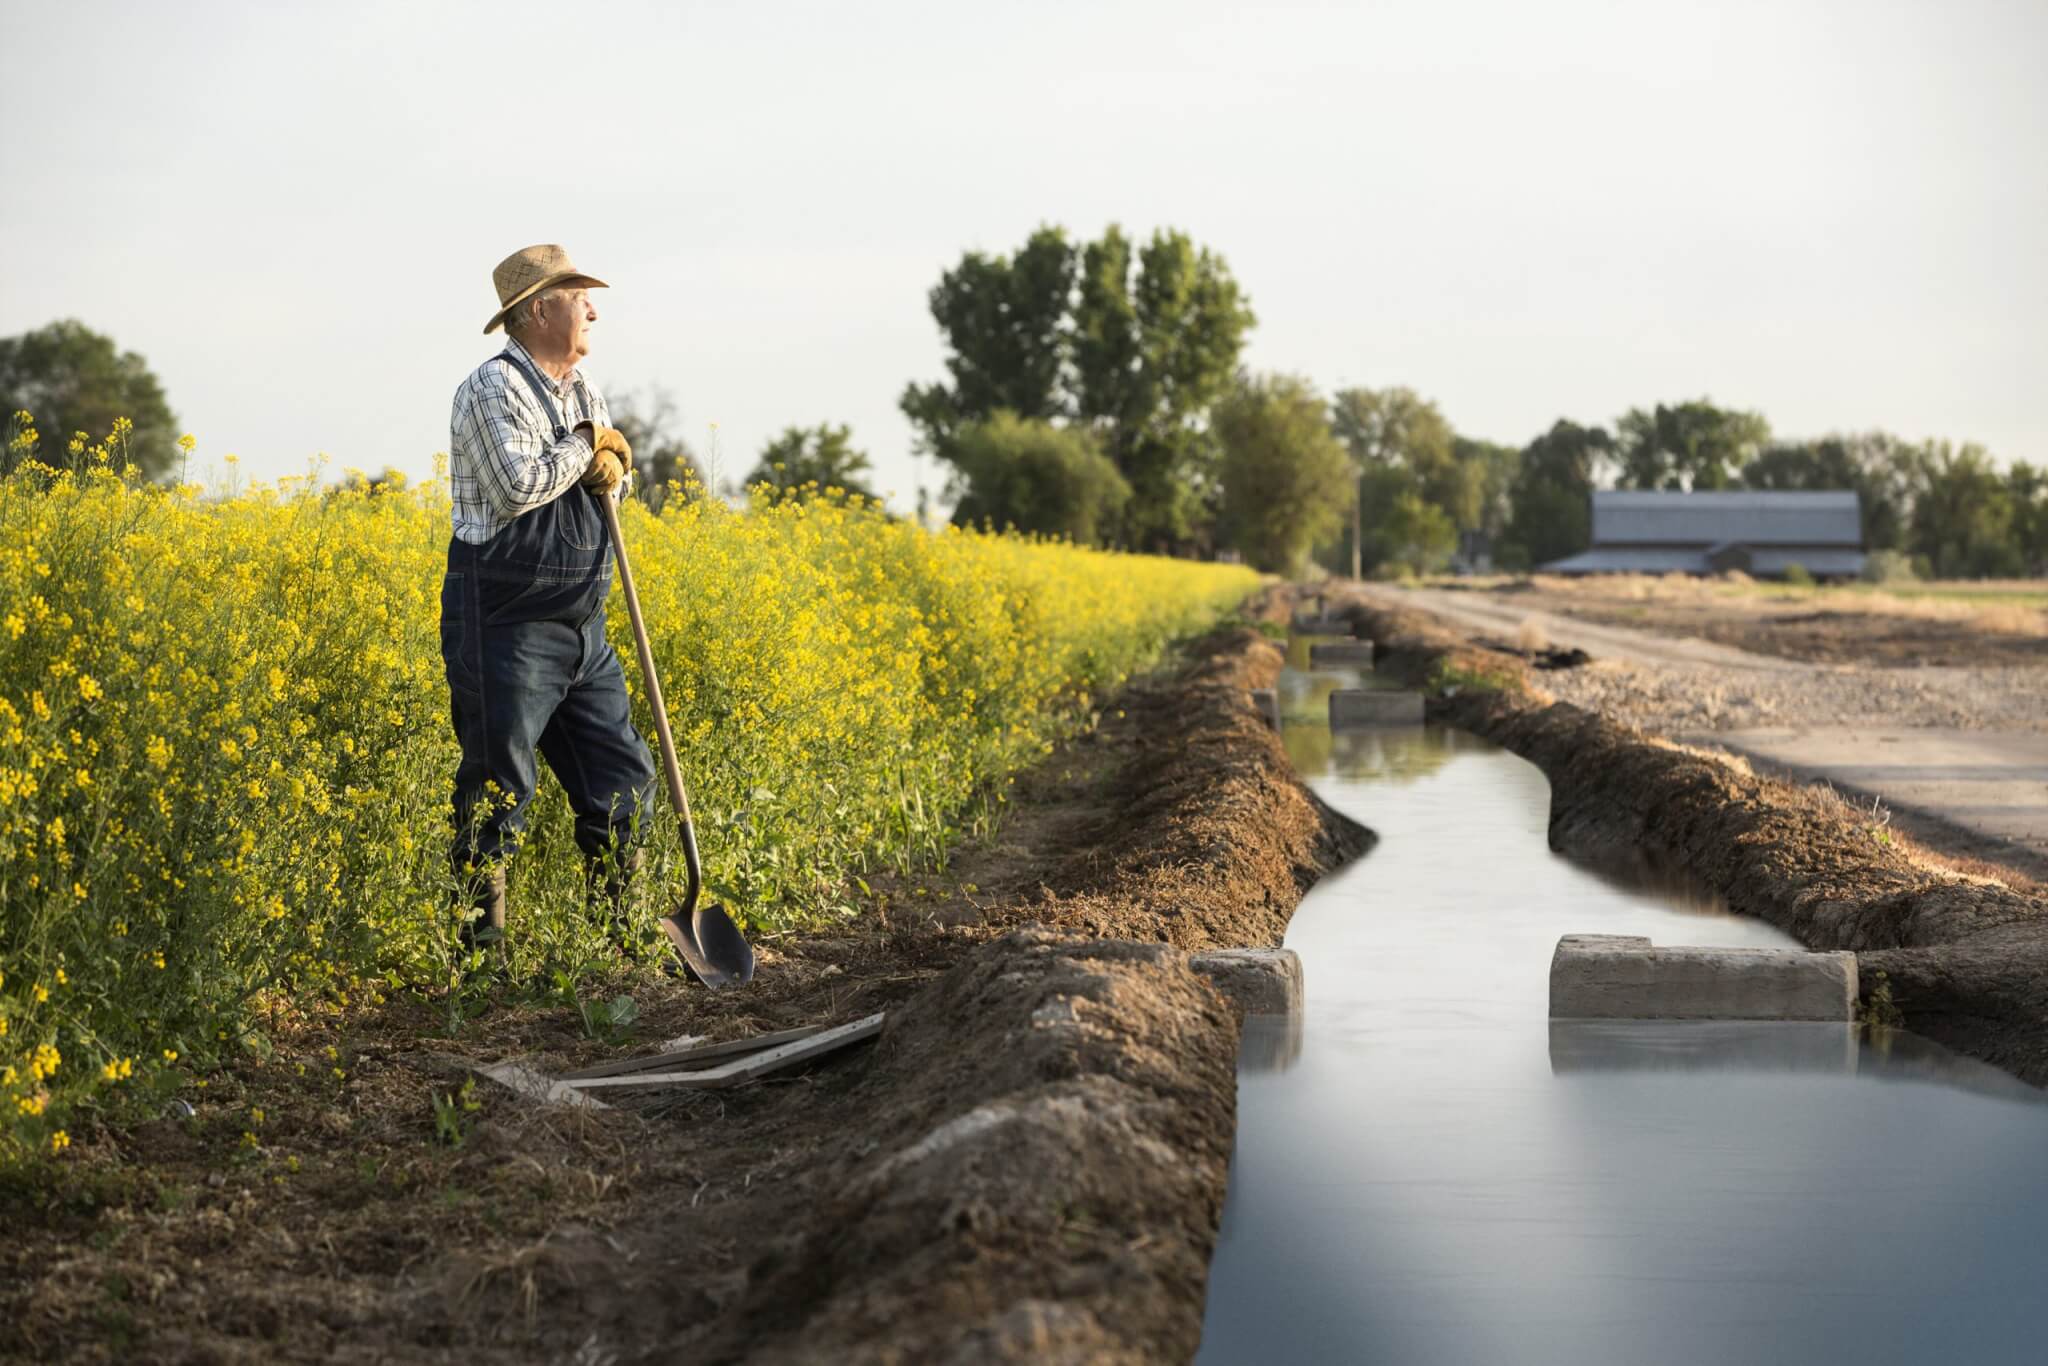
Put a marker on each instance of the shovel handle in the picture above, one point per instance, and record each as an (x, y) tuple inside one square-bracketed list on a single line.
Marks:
[(670, 767)]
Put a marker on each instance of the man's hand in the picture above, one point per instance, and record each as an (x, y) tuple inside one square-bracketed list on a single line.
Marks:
[(607, 469), (611, 456), (611, 439)]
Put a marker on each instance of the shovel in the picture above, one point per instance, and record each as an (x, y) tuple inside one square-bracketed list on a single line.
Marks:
[(705, 937)]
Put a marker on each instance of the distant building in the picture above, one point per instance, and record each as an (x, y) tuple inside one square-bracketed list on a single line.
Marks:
[(1762, 534)]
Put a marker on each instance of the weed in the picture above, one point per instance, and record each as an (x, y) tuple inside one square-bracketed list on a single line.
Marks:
[(1878, 1008), (452, 1113), (1449, 679), (609, 1022)]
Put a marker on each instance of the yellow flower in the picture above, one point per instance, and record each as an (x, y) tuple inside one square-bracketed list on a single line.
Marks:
[(170, 1055), (59, 1141), (187, 442)]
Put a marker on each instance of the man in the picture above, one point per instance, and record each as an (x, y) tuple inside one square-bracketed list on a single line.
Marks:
[(530, 452)]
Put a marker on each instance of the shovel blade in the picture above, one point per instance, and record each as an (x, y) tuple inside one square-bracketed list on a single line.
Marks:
[(710, 945)]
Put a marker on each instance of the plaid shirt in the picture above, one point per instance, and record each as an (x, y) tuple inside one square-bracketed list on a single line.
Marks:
[(503, 459)]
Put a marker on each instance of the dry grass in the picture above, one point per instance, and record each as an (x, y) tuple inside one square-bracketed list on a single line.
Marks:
[(1993, 606)]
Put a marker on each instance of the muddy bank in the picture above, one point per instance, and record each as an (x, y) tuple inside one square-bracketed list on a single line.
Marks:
[(1964, 959), (1029, 1164)]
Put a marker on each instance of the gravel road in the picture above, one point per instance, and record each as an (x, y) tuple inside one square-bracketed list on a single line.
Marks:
[(1677, 685)]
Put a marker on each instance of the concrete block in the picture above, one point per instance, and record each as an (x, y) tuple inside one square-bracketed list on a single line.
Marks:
[(1254, 981), (1322, 626), (1266, 702), (1355, 707), (1625, 977), (1342, 654)]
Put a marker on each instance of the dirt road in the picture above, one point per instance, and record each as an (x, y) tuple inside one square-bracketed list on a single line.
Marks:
[(1958, 753)]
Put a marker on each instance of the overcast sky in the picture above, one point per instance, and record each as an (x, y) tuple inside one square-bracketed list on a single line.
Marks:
[(1834, 213)]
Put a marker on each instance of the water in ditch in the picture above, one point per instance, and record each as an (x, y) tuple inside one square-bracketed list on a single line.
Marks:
[(1428, 1171)]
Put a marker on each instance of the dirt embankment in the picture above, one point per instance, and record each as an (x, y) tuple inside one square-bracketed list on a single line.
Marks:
[(1028, 1165), (1964, 958)]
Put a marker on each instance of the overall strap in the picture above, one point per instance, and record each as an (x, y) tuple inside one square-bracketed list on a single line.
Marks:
[(547, 402)]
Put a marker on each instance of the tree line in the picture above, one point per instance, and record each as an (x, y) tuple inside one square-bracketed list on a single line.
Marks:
[(1943, 509), (1095, 390)]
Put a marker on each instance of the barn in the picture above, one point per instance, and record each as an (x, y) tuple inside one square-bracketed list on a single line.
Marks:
[(1762, 534)]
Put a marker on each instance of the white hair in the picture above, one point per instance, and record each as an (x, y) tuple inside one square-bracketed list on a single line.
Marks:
[(523, 313)]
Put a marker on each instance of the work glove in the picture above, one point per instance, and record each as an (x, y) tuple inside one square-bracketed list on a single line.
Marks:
[(605, 472), (610, 458), (611, 439)]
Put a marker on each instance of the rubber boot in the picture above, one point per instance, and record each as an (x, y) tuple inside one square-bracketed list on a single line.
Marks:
[(484, 926), (605, 880)]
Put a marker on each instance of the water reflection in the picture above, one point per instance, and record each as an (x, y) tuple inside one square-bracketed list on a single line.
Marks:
[(1437, 1173), (1846, 1050), (1270, 1043)]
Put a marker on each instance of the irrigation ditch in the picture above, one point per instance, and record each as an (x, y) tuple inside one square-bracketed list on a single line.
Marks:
[(1960, 959)]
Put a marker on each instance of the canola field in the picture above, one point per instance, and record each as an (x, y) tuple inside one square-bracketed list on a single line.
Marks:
[(225, 755)]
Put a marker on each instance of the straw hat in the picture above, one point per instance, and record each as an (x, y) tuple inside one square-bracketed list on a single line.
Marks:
[(526, 273)]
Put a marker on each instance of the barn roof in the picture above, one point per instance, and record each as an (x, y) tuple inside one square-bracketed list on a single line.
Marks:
[(1629, 518)]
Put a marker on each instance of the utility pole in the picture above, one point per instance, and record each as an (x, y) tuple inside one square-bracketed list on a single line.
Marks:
[(1357, 521)]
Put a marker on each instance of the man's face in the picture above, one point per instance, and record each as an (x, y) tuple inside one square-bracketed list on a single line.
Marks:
[(565, 322)]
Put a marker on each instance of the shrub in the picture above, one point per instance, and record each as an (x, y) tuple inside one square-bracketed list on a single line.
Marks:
[(1887, 566)]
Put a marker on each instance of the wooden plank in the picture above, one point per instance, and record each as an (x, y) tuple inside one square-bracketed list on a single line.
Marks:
[(539, 1086), (745, 1068), (678, 1060)]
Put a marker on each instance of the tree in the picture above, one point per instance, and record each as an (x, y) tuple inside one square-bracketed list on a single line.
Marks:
[(1285, 480), (2028, 489), (1688, 446), (1005, 324), (804, 456), (1415, 535), (1397, 427), (1491, 468), (73, 380), (1154, 349), (1132, 345), (1879, 467), (652, 425), (1028, 474), (1550, 503), (1963, 519)]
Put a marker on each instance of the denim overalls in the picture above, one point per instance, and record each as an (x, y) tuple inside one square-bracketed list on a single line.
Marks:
[(522, 636)]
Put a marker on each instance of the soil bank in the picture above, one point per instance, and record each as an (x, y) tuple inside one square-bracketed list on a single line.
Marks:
[(1029, 1164), (1964, 958)]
